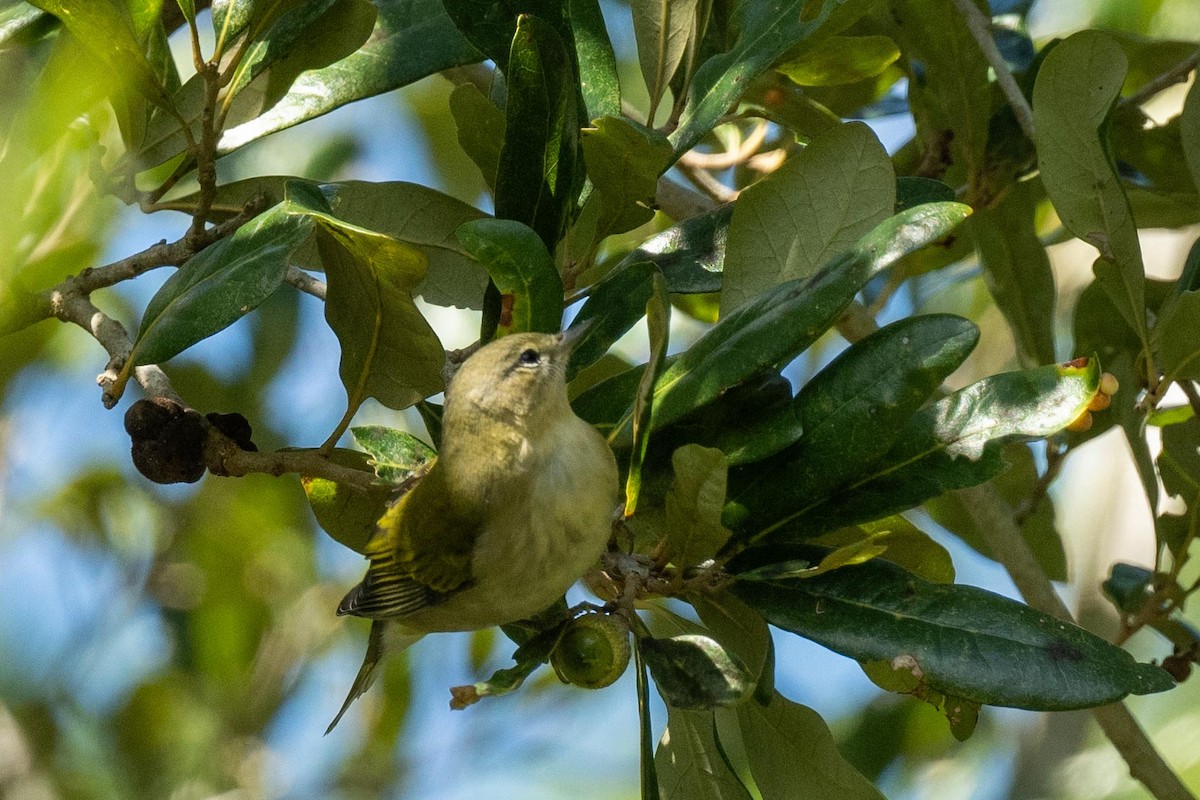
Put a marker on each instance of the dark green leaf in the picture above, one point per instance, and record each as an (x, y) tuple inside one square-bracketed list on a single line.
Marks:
[(395, 455), (963, 641), (793, 755), (1017, 270), (517, 262), (347, 513), (21, 22), (648, 772), (1075, 91), (614, 305), (527, 658), (1177, 337), (773, 327), (817, 205), (412, 39), (1127, 586), (694, 672), (690, 255), (912, 190), (764, 32), (851, 412), (536, 181), (658, 323), (597, 61), (955, 443), (220, 285)]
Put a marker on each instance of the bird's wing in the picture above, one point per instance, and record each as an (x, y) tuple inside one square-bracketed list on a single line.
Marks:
[(420, 554)]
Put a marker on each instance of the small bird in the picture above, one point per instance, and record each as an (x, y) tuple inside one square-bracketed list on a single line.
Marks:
[(517, 506)]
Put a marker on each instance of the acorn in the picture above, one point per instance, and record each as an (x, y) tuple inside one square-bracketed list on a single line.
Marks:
[(593, 651)]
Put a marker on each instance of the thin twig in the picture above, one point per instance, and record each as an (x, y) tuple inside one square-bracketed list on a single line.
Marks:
[(981, 30), (1193, 397), (730, 158), (1165, 80), (306, 283), (705, 182)]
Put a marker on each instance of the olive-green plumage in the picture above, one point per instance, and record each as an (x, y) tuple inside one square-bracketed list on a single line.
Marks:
[(517, 506)]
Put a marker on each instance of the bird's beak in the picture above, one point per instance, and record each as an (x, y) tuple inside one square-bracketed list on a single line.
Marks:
[(573, 335)]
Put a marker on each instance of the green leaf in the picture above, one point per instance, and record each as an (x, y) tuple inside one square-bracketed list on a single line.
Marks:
[(781, 322), (1128, 586), (964, 641), (694, 672), (764, 32), (1097, 330), (623, 160), (527, 658), (107, 29), (1076, 88), (694, 502), (839, 60), (597, 62), (1189, 132), (904, 544), (1177, 338), (347, 513), (851, 414), (663, 31), (950, 95), (856, 405), (389, 352), (690, 255), (689, 761), (1179, 464), (1017, 270), (817, 205), (220, 285), (517, 262), (480, 128), (1015, 486), (658, 323), (904, 675), (412, 39), (395, 455), (793, 755), (614, 305), (955, 443), (742, 631), (423, 218), (648, 772), (913, 190), (536, 181)]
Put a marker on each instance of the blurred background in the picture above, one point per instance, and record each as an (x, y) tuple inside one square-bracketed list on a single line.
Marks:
[(179, 642)]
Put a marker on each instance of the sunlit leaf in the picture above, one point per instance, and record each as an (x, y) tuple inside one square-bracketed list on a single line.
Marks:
[(347, 513), (658, 323), (694, 672), (838, 60), (694, 502), (1075, 91), (817, 205)]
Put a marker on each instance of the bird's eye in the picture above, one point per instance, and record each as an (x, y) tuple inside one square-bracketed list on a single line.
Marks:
[(530, 358)]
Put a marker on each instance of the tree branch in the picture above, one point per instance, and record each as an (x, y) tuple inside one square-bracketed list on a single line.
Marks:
[(995, 521), (981, 30), (1174, 75)]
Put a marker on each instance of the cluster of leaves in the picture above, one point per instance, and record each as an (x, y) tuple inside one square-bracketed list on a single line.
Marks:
[(752, 503)]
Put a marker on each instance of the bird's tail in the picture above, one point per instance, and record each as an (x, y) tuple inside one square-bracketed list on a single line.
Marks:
[(385, 639)]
